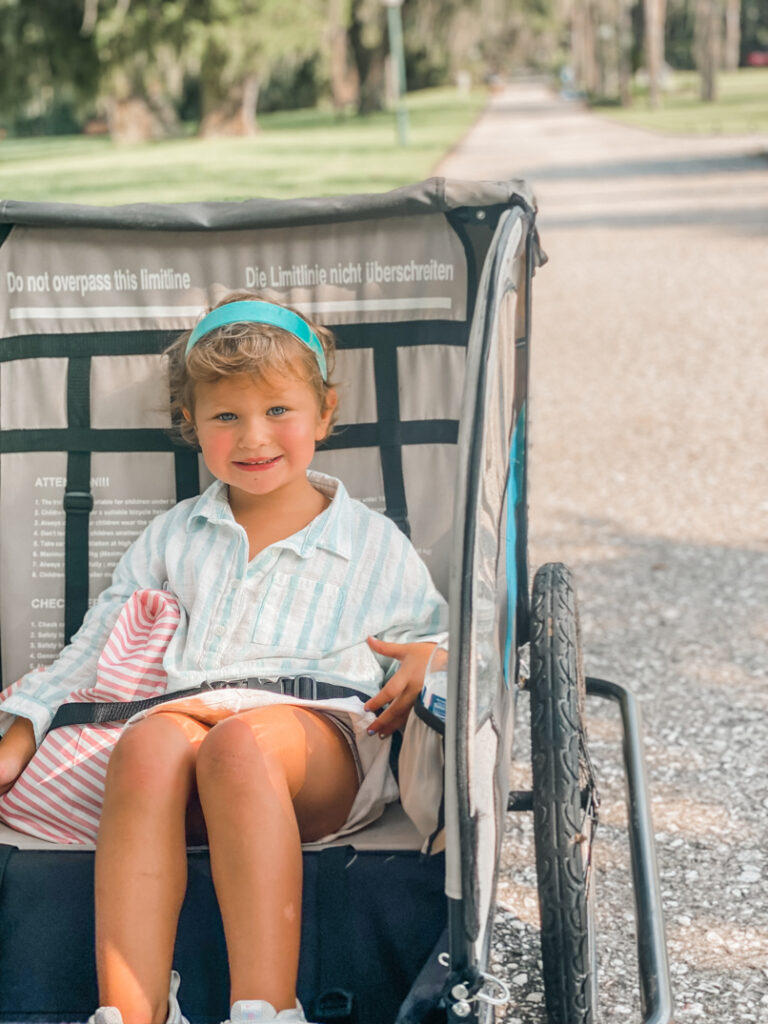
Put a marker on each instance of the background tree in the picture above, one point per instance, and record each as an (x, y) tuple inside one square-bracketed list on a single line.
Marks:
[(655, 23), (343, 77), (625, 47), (601, 39), (708, 40), (732, 50), (367, 33), (235, 46), (139, 46), (754, 26), (44, 88), (481, 37)]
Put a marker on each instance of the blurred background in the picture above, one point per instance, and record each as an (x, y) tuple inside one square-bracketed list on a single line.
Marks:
[(301, 96)]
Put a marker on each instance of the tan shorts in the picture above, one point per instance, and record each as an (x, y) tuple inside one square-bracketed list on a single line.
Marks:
[(377, 783)]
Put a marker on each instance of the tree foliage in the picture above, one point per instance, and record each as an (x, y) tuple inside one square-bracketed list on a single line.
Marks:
[(139, 46), (652, 34), (144, 63), (236, 45), (41, 85)]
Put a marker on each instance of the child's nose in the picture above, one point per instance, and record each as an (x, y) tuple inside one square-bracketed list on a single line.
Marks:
[(255, 431)]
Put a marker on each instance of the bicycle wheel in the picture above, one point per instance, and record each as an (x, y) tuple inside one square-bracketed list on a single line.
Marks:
[(564, 800)]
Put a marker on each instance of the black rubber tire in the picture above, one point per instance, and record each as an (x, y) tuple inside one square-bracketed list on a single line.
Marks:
[(559, 758)]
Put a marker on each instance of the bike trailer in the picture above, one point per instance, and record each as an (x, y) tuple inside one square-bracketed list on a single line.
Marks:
[(428, 289)]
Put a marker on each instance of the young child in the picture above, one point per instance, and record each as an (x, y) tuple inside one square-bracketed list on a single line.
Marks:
[(277, 572)]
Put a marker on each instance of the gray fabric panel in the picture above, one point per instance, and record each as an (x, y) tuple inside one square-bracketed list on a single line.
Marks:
[(434, 194), (130, 489), (360, 469), (429, 472), (59, 280), (206, 477), (356, 386), (128, 391), (431, 379), (33, 394)]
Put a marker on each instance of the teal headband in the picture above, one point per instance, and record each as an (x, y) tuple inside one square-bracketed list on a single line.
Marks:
[(251, 311)]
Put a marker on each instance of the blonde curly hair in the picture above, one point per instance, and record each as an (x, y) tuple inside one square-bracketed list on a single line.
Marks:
[(255, 349)]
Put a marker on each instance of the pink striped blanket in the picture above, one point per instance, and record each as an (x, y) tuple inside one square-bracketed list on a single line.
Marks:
[(60, 793)]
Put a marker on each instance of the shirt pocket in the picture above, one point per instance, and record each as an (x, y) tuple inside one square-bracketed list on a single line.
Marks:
[(298, 616)]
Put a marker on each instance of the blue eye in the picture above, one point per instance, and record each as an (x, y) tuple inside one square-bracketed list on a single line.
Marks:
[(225, 417), (277, 410)]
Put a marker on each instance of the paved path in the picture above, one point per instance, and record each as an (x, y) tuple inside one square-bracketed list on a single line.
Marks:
[(649, 478)]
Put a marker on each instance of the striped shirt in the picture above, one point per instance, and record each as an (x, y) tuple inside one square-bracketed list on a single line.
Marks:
[(302, 606)]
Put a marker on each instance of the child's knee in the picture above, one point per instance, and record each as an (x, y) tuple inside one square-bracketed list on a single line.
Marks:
[(150, 756), (233, 752)]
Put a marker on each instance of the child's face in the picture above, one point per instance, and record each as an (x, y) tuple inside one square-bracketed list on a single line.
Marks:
[(259, 436)]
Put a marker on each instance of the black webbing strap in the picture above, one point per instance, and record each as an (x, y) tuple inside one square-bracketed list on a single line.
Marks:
[(390, 439), (187, 471), (99, 712), (78, 499), (79, 343)]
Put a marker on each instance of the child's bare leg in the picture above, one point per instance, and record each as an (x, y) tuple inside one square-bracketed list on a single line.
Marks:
[(267, 779), (141, 863), (16, 752)]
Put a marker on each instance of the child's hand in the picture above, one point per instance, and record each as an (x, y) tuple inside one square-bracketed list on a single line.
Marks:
[(16, 750), (403, 688)]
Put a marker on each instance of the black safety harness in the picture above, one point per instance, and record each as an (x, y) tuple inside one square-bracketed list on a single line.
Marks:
[(99, 712)]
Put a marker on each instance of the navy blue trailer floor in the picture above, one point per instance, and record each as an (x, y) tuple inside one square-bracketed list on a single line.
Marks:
[(370, 922)]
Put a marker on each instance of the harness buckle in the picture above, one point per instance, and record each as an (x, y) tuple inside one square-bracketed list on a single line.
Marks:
[(78, 501), (224, 684)]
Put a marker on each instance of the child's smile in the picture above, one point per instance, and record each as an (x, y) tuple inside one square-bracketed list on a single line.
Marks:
[(259, 436), (259, 464)]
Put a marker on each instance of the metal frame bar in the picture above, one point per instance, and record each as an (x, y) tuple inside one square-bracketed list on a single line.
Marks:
[(652, 963)]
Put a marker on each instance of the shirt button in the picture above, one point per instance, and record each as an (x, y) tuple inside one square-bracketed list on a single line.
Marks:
[(219, 631)]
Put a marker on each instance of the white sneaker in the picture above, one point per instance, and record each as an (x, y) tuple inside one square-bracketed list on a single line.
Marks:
[(106, 1015), (111, 1014), (254, 1011), (175, 1015)]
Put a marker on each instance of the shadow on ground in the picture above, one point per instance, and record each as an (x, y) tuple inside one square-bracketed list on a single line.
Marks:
[(654, 167)]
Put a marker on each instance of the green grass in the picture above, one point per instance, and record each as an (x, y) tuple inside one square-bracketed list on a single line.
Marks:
[(296, 153), (741, 107)]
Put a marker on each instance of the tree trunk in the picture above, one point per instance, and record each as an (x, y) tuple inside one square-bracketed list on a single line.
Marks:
[(576, 47), (732, 35), (234, 114), (228, 110), (625, 52), (707, 46), (584, 57), (655, 22), (345, 84), (368, 41), (132, 120), (249, 104)]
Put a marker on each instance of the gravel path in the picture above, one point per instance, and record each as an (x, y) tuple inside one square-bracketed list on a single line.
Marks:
[(648, 477)]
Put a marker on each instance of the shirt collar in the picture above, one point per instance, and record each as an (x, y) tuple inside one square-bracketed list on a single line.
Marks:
[(331, 530)]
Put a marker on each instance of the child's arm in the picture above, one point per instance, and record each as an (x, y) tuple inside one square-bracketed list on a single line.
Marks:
[(16, 750), (38, 694), (401, 691), (409, 617)]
